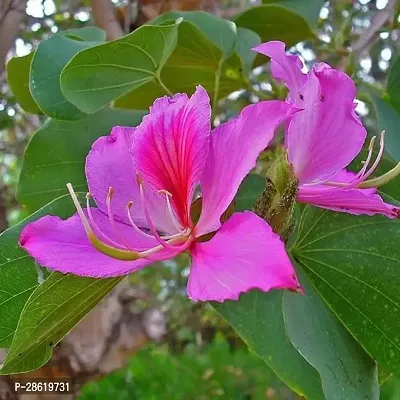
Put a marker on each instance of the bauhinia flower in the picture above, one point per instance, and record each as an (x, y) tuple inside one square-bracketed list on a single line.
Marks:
[(326, 136), (145, 182)]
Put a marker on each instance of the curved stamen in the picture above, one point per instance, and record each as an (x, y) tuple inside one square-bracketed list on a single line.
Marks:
[(134, 226), (117, 233), (95, 241), (172, 215), (94, 224), (151, 225), (381, 180), (368, 159)]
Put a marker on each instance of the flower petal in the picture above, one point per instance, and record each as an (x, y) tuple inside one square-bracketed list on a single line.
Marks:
[(171, 145), (234, 149), (327, 135), (245, 254), (110, 164), (352, 201), (284, 67), (62, 245)]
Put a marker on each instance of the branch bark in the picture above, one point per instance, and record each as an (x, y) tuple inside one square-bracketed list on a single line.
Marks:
[(366, 39), (105, 18), (12, 15)]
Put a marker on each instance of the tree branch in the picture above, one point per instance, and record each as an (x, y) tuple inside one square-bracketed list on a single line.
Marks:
[(104, 17), (366, 39), (12, 14)]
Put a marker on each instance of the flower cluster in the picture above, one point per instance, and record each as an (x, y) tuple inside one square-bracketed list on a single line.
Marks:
[(147, 181)]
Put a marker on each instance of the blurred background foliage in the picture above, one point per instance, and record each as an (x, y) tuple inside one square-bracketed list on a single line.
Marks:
[(200, 357)]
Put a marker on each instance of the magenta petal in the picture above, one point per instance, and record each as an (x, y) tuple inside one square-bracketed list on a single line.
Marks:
[(235, 147), (245, 254), (352, 201), (171, 145), (110, 164), (284, 67), (62, 245), (327, 135)]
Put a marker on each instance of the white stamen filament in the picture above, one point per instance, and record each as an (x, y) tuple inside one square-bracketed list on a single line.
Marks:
[(94, 224), (151, 225), (171, 212)]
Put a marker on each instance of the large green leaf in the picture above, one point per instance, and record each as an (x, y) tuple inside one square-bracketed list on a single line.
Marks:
[(309, 9), (209, 52), (50, 58), (87, 33), (257, 318), (18, 79), (52, 310), (57, 151), (347, 372), (101, 74), (19, 275), (354, 263), (393, 84), (388, 120), (390, 390), (275, 22)]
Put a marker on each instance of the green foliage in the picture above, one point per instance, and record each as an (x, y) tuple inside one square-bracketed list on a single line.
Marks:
[(393, 84), (20, 275), (215, 371), (353, 263), (99, 75), (18, 79)]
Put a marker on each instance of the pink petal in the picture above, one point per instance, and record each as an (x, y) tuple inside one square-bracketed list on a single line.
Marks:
[(284, 67), (234, 149), (62, 245), (352, 201), (171, 145), (110, 164), (327, 135), (245, 254)]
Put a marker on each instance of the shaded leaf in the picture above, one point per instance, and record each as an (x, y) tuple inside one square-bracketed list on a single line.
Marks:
[(393, 84), (101, 74), (275, 22), (52, 310), (346, 371), (354, 264), (249, 191), (19, 276), (18, 79), (257, 318), (50, 58), (388, 120), (88, 33)]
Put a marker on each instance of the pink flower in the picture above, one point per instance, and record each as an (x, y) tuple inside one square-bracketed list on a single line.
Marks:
[(326, 136), (144, 181)]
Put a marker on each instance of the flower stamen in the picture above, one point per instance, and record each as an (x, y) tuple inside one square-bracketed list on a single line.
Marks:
[(104, 248)]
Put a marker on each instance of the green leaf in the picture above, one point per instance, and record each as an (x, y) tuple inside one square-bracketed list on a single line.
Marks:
[(52, 310), (390, 390), (388, 120), (209, 52), (18, 79), (87, 33), (354, 264), (249, 191), (309, 9), (56, 154), (246, 40), (19, 276), (257, 318), (50, 58), (221, 32), (275, 22), (393, 84), (347, 372), (101, 74)]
